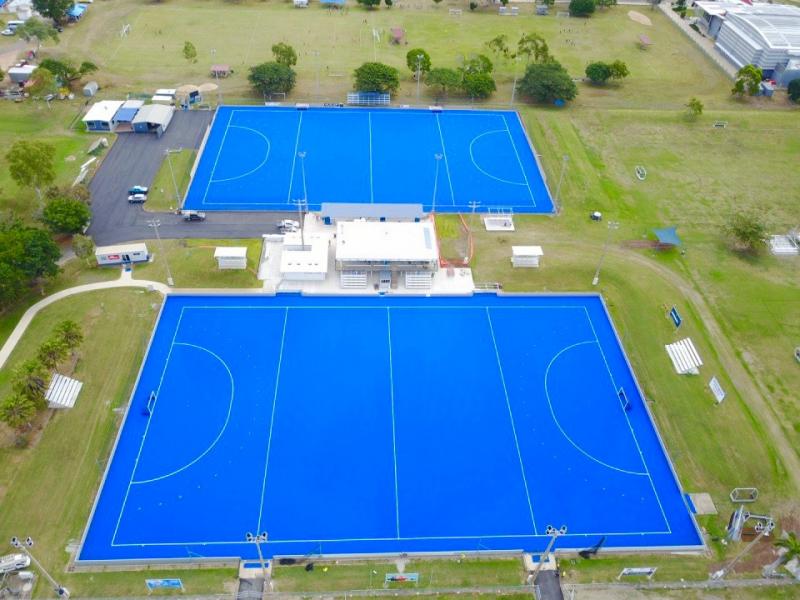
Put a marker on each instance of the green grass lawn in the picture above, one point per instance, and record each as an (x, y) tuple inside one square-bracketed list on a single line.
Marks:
[(162, 191), (193, 265)]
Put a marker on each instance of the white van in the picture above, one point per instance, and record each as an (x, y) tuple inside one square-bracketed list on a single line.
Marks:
[(14, 562), (11, 27)]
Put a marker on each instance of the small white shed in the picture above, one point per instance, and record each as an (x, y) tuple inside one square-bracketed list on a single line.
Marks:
[(63, 392), (121, 254), (231, 257), (526, 256), (304, 263)]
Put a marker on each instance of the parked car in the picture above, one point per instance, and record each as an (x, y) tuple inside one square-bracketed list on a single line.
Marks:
[(138, 189), (288, 226), (14, 562), (11, 27), (137, 198), (7, 32), (194, 215)]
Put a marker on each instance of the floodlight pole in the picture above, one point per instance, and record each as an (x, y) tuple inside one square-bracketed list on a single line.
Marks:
[(564, 161), (258, 540), (438, 158), (23, 545), (612, 226), (419, 72), (155, 224), (473, 204), (554, 535), (169, 152)]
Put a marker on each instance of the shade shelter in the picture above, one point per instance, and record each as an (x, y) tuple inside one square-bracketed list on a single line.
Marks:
[(153, 118), (667, 238)]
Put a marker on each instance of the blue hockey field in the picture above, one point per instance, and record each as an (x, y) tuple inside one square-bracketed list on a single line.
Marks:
[(268, 158), (384, 425)]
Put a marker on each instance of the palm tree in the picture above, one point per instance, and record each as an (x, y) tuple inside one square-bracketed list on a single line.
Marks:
[(52, 352), (791, 544), (70, 333), (17, 411), (30, 381)]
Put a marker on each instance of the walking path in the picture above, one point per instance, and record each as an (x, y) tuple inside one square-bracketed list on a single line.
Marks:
[(125, 280)]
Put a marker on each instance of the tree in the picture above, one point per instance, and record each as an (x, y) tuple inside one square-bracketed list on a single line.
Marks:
[(70, 333), (478, 63), (791, 544), (694, 108), (606, 3), (748, 80), (2, 75), (619, 70), (436, 2), (41, 82), (65, 71), (17, 411), (34, 29), (65, 215), (53, 9), (369, 3), (532, 45), (83, 246), (793, 90), (598, 72), (12, 282), (581, 8), (272, 78), (189, 52), (30, 380), (547, 82), (473, 5), (499, 46), (76, 192), (52, 352), (284, 54), (388, 3), (747, 230), (30, 164), (376, 77), (478, 85), (29, 250), (445, 79), (418, 57)]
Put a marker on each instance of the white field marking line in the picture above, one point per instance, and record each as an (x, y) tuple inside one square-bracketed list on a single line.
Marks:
[(472, 158), (394, 435), (257, 27), (519, 161), (627, 418), (147, 426), (482, 536), (221, 431), (261, 164), (272, 419), (294, 160), (511, 419), (383, 306), (122, 40), (371, 185), (558, 424), (216, 160), (446, 164)]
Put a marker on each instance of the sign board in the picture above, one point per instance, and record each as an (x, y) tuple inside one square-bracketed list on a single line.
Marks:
[(640, 571), (401, 578), (676, 318), (163, 584), (716, 389)]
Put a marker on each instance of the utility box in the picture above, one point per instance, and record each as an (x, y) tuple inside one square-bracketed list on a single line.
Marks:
[(121, 254)]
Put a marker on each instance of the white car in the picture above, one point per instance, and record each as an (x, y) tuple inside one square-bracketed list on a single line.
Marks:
[(7, 32), (14, 562), (288, 226), (137, 198)]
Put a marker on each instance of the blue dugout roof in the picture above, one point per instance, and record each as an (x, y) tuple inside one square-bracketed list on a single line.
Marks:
[(76, 11), (125, 115), (668, 236)]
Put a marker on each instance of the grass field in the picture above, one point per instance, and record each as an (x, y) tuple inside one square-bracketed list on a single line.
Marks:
[(696, 176), (161, 196)]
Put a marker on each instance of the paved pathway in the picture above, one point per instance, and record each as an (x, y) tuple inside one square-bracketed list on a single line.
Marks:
[(125, 280)]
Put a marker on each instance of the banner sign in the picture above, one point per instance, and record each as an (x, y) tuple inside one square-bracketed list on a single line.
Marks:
[(401, 578), (645, 571), (676, 318), (716, 389), (163, 584)]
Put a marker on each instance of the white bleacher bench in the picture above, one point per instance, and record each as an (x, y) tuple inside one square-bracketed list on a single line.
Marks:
[(368, 99)]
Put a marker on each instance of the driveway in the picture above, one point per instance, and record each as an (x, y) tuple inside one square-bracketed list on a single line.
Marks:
[(134, 159)]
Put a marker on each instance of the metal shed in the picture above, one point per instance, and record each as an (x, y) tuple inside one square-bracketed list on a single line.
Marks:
[(153, 118), (90, 89), (231, 257)]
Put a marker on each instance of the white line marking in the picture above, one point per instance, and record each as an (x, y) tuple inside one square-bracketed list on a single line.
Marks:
[(221, 431), (558, 424), (294, 159), (472, 158), (394, 435), (216, 160), (524, 174), (251, 171), (146, 427), (446, 165), (511, 418), (627, 418), (371, 188), (272, 418), (382, 307)]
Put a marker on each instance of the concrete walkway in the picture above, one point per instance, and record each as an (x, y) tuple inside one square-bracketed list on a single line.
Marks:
[(125, 280)]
